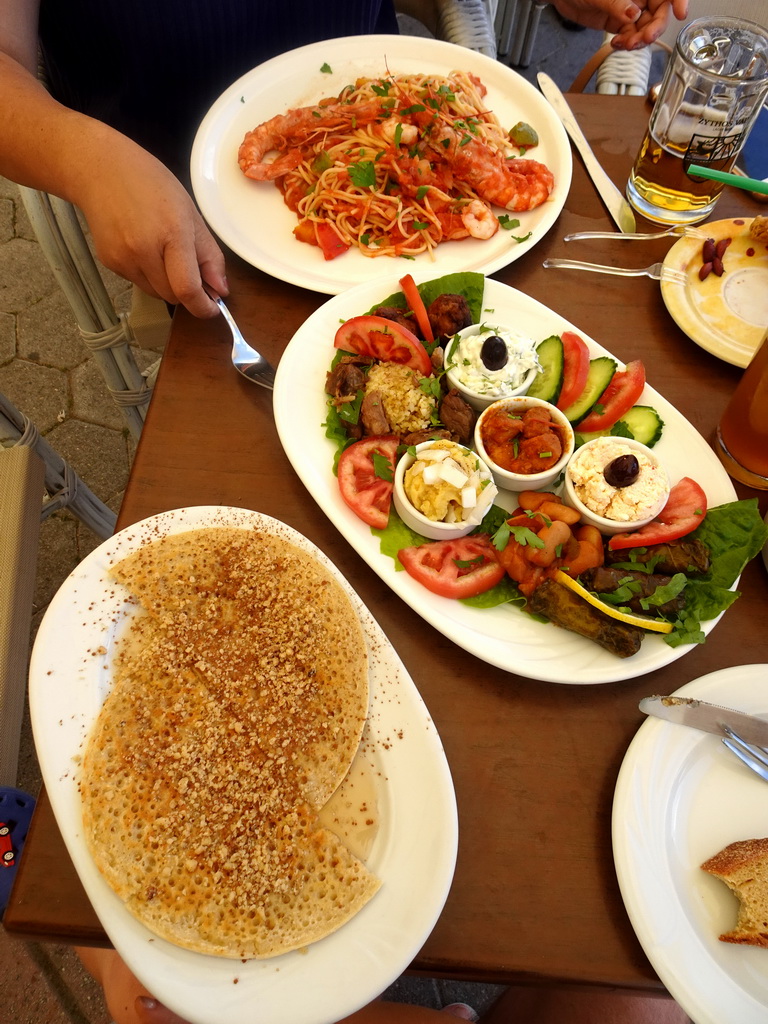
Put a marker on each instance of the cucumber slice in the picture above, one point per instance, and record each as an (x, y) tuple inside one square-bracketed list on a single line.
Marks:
[(546, 385), (644, 423), (601, 370), (641, 422)]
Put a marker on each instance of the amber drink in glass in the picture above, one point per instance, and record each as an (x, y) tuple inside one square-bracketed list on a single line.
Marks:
[(714, 86), (741, 441)]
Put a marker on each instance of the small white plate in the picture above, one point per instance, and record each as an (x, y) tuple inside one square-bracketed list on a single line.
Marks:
[(681, 796), (413, 852), (251, 217), (724, 315)]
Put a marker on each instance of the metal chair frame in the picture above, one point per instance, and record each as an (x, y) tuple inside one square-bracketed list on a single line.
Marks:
[(64, 487)]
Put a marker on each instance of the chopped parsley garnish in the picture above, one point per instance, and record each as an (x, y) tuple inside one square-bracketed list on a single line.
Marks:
[(363, 174), (382, 467)]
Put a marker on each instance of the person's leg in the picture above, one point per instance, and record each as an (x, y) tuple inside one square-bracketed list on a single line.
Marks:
[(531, 1005), (130, 1003)]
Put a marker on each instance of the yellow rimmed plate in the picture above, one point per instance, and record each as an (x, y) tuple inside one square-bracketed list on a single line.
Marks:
[(725, 315)]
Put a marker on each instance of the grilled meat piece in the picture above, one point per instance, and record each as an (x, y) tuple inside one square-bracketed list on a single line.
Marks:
[(604, 580), (678, 556), (399, 316), (448, 314), (372, 414), (458, 417), (569, 611), (347, 377), (419, 436)]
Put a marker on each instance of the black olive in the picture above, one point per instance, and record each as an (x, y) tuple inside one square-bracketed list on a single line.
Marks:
[(623, 471), (494, 353)]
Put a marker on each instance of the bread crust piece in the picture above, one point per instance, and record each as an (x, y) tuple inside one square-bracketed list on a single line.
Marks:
[(236, 710), (743, 866)]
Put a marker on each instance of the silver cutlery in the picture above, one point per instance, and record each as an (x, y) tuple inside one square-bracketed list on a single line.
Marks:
[(750, 754), (615, 203), (245, 358), (677, 229), (727, 723), (657, 271), (700, 714)]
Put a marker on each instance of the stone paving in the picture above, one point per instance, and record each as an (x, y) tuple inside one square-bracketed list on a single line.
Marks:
[(46, 371)]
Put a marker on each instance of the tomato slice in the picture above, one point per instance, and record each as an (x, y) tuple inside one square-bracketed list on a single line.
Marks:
[(575, 368), (463, 567), (684, 511), (363, 488), (383, 339), (622, 392), (329, 241), (416, 303)]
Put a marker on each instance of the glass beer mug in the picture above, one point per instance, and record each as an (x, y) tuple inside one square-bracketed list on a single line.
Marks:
[(715, 83)]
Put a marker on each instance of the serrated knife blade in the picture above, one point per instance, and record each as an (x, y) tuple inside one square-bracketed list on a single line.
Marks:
[(698, 714), (615, 203)]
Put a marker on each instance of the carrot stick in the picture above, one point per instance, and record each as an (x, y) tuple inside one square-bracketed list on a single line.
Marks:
[(416, 303)]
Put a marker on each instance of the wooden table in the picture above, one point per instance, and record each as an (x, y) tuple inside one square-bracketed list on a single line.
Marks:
[(535, 895)]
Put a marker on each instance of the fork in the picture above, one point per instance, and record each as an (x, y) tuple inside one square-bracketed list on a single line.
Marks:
[(245, 358), (754, 757), (657, 271), (676, 229)]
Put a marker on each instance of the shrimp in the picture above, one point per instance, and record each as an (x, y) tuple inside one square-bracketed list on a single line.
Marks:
[(479, 219), (468, 220), (287, 133), (399, 133), (515, 184)]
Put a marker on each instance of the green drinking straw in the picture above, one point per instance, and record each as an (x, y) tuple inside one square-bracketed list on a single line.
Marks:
[(738, 180)]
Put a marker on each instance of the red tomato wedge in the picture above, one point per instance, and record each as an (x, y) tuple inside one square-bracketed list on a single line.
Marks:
[(575, 368), (383, 339), (464, 567), (329, 241), (623, 391), (684, 511), (323, 235), (416, 304), (368, 493)]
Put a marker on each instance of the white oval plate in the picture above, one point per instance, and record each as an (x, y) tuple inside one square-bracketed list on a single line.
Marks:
[(251, 217), (681, 796), (502, 636), (413, 853), (726, 315)]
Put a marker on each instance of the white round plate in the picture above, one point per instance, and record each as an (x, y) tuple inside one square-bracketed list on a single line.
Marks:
[(413, 852), (503, 636), (681, 796), (251, 217), (725, 315)]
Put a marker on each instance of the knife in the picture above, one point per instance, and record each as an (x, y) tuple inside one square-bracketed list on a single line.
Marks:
[(698, 714), (615, 203)]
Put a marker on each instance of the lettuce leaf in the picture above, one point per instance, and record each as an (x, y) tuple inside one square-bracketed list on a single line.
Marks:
[(733, 533), (470, 284)]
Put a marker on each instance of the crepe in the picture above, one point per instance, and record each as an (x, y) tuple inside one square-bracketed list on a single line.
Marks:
[(237, 708)]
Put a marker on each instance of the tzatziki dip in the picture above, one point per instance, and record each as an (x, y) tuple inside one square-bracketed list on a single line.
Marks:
[(491, 360)]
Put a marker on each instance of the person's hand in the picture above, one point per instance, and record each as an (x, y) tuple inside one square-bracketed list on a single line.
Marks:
[(146, 228), (651, 23), (127, 1000), (636, 22)]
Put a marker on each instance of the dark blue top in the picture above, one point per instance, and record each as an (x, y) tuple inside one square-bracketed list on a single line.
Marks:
[(152, 68)]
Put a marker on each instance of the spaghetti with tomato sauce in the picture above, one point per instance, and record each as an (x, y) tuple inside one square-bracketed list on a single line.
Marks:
[(395, 165)]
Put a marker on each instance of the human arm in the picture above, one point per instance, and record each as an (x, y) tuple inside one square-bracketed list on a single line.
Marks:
[(143, 222), (635, 24)]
